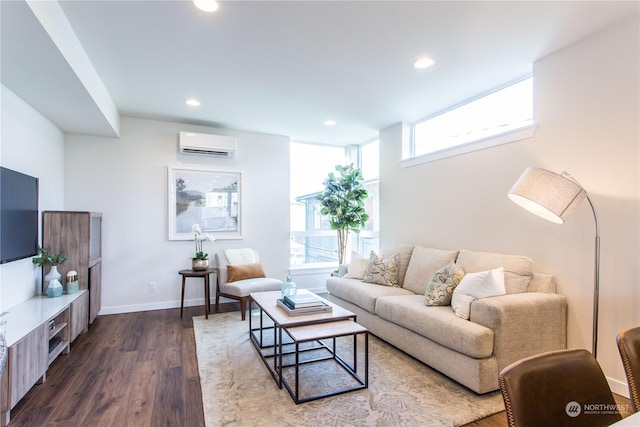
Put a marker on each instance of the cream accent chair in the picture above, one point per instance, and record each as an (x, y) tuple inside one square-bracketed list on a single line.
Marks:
[(240, 289)]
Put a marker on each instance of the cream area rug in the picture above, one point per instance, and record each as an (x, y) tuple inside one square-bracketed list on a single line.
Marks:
[(238, 390)]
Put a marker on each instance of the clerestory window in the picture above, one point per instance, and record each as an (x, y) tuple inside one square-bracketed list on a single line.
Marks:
[(503, 116)]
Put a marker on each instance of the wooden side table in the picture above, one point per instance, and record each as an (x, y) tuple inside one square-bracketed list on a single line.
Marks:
[(207, 292)]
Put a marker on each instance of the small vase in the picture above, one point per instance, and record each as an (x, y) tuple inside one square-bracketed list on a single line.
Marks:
[(54, 289), (53, 274), (72, 282), (199, 264)]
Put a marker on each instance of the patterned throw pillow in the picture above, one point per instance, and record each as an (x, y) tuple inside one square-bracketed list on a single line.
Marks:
[(441, 286), (382, 271)]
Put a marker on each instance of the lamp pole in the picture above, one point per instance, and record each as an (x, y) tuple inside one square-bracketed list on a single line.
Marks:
[(596, 280)]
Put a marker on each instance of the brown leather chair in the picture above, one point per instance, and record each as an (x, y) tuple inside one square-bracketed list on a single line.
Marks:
[(629, 347), (557, 388)]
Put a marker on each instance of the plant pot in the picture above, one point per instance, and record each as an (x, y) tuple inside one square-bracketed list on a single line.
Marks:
[(199, 264)]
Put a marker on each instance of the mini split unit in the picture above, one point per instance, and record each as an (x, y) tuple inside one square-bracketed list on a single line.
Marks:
[(207, 145)]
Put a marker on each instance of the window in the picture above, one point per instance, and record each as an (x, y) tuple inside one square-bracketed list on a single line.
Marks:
[(503, 112), (312, 239)]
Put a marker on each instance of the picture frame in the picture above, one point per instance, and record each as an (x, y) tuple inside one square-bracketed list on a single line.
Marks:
[(211, 199)]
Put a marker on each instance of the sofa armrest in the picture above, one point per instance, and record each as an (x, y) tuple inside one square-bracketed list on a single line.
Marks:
[(523, 324)]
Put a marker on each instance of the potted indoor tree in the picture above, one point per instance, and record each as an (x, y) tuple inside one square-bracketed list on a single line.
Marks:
[(343, 201)]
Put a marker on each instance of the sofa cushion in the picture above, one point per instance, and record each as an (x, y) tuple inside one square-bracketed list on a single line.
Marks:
[(442, 284), (382, 270), (439, 324), (404, 251), (473, 286), (423, 265), (518, 270), (357, 266), (362, 294)]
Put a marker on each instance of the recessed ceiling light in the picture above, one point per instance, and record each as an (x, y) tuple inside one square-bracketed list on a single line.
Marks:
[(329, 122), (423, 63), (206, 5), (192, 102)]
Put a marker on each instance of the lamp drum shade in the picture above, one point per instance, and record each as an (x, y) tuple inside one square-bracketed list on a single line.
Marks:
[(549, 195)]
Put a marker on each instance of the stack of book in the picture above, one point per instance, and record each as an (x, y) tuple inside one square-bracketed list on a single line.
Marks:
[(303, 303)]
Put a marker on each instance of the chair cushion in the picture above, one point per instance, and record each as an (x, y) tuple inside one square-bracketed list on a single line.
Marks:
[(242, 288), (245, 271)]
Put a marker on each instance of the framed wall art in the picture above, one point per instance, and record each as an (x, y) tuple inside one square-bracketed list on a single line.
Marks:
[(211, 199)]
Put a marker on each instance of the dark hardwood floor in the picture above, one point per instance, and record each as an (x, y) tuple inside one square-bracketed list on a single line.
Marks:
[(134, 369)]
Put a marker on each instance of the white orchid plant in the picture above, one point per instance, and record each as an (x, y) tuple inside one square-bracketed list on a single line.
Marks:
[(198, 239)]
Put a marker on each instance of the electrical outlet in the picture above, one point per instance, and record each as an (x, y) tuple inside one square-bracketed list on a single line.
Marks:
[(153, 287)]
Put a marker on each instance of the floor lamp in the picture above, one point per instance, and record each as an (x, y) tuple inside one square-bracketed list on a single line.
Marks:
[(554, 197)]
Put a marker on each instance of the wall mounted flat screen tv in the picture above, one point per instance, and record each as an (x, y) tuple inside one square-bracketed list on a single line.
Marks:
[(18, 215)]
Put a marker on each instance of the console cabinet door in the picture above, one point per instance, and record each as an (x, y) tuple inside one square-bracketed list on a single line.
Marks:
[(79, 316), (95, 291), (28, 362)]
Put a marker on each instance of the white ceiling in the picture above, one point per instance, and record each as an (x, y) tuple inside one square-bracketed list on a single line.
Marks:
[(283, 67)]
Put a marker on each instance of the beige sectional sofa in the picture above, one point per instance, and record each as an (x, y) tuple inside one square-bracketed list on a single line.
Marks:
[(530, 318)]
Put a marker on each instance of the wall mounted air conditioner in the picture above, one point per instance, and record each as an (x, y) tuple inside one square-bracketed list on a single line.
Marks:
[(207, 145)]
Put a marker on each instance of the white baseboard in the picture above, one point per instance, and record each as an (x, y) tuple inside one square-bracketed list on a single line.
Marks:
[(618, 387), (120, 309)]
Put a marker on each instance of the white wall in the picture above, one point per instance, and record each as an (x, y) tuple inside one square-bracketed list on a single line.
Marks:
[(31, 145), (126, 179), (587, 109)]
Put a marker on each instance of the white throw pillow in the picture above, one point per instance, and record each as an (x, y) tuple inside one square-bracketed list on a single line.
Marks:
[(473, 286), (357, 266)]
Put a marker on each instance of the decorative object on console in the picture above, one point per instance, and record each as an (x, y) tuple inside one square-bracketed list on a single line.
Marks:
[(72, 282), (343, 201), (554, 197), (46, 257), (54, 289)]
